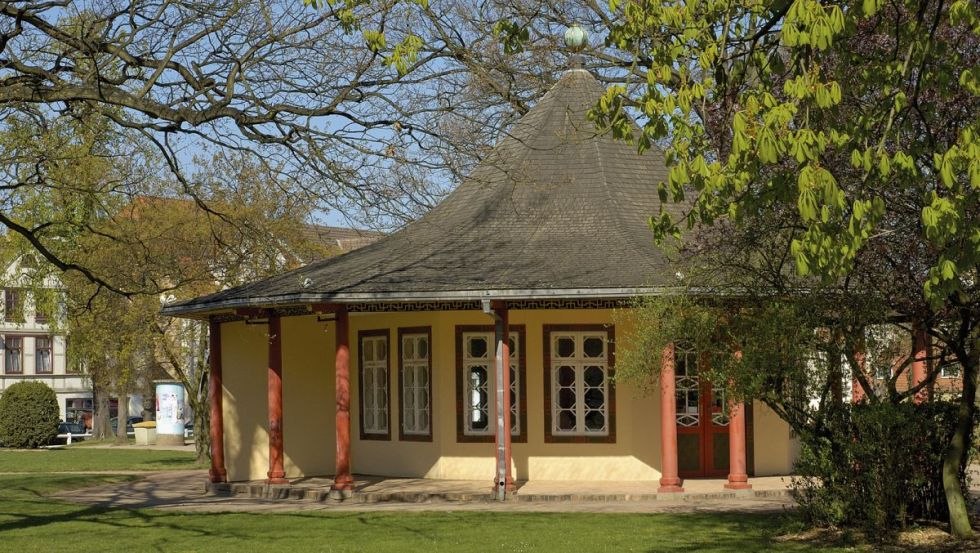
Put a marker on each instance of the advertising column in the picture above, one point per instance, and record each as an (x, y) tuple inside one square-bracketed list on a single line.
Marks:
[(170, 412)]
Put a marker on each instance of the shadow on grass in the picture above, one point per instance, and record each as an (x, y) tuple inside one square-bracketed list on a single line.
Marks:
[(121, 513), (702, 532), (27, 506)]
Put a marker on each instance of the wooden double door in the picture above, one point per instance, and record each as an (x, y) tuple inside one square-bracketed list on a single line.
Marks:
[(702, 420)]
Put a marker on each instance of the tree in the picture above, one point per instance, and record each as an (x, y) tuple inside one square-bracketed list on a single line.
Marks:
[(93, 195), (853, 125), (197, 258), (171, 246), (110, 341), (101, 104), (379, 131)]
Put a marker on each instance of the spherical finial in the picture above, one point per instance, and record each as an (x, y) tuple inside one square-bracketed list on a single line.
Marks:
[(576, 38)]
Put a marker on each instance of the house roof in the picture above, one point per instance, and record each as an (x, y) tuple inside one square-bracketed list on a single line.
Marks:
[(342, 238), (555, 210)]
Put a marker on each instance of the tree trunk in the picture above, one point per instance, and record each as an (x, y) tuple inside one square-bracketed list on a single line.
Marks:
[(197, 389), (122, 417), (957, 454), (100, 419), (202, 418)]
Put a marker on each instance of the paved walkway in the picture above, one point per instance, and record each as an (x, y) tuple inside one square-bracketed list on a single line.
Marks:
[(186, 491), (108, 444)]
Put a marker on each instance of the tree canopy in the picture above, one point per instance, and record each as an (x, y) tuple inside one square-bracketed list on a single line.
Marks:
[(830, 149)]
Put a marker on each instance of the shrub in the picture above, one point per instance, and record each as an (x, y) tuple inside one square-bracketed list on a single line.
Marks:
[(876, 467), (28, 415)]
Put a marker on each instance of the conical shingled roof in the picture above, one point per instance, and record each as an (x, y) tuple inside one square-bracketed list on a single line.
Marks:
[(554, 211)]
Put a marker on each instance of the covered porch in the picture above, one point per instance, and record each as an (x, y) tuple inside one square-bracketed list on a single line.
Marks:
[(334, 320)]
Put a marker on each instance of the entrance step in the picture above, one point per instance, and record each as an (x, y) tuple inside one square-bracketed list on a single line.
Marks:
[(255, 490)]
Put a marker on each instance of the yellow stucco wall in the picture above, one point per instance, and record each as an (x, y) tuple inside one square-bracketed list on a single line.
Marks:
[(308, 397), (308, 416), (244, 355), (775, 449)]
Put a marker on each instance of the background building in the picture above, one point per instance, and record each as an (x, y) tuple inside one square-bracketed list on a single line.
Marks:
[(32, 347)]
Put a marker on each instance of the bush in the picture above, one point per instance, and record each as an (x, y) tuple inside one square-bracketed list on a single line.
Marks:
[(29, 415), (876, 467)]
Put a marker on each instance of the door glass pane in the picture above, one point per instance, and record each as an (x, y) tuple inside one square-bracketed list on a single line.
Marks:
[(688, 395), (719, 451), (689, 453), (719, 410)]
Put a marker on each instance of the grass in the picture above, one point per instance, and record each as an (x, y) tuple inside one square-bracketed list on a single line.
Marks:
[(92, 442), (73, 459), (29, 521)]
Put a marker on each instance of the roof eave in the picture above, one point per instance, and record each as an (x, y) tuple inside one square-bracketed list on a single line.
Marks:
[(198, 309)]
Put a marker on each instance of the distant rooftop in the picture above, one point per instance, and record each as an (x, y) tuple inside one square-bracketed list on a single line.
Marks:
[(342, 238)]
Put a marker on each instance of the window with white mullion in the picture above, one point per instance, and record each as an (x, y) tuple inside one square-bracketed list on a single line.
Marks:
[(580, 383), (13, 354), (42, 355), (479, 376), (415, 377), (374, 384)]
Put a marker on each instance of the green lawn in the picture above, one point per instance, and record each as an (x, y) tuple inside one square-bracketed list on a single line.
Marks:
[(29, 521), (93, 459)]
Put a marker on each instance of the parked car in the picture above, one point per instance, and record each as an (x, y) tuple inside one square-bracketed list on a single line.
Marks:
[(76, 429), (114, 423)]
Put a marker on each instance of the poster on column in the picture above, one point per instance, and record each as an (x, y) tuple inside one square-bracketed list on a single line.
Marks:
[(170, 407)]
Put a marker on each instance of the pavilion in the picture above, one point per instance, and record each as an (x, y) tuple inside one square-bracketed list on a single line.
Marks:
[(402, 340)]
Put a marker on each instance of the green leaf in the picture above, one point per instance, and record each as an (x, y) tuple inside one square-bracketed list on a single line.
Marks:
[(946, 173), (857, 160), (884, 165), (947, 269)]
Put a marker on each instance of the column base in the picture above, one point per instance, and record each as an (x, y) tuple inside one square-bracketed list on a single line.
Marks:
[(738, 483), (276, 478), (217, 475), (343, 483), (670, 485), (509, 487)]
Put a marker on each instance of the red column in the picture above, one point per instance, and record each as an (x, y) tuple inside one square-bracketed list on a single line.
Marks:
[(277, 475), (919, 370), (669, 480), (857, 392), (217, 471), (343, 481), (738, 477)]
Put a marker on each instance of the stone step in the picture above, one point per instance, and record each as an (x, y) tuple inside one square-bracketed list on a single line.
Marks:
[(319, 494)]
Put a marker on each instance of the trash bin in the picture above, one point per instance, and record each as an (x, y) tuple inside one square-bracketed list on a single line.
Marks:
[(146, 432)]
